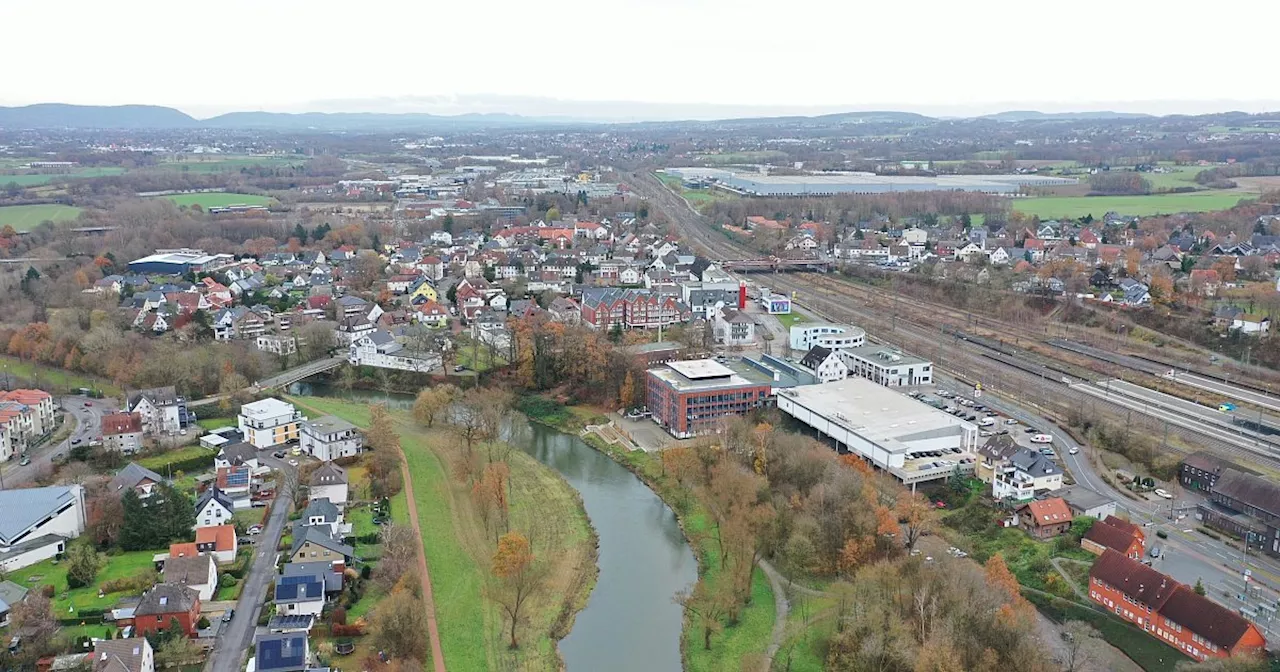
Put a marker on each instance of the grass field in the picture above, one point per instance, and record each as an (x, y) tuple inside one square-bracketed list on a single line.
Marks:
[(1052, 207), (216, 423), (218, 199), (27, 217), (60, 379), (458, 545), (160, 463), (116, 567), (230, 163), (791, 319), (30, 180)]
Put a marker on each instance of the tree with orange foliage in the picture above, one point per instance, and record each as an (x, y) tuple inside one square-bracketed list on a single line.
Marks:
[(762, 437), (856, 463), (855, 551), (916, 516), (517, 577)]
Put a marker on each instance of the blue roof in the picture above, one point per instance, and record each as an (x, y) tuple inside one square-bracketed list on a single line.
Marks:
[(303, 587), (281, 652)]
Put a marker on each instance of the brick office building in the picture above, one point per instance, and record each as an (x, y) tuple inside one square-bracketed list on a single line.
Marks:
[(691, 397), (1170, 611)]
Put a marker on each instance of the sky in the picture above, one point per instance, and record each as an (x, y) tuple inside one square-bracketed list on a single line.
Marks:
[(634, 59)]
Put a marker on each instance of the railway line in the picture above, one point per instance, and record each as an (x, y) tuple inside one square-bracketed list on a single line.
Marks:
[(1046, 389)]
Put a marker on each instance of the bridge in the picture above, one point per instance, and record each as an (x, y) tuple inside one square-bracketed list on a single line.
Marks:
[(776, 264), (284, 378)]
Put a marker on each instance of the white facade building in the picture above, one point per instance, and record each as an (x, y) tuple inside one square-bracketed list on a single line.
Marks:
[(37, 523), (328, 438), (831, 336), (269, 422), (887, 366)]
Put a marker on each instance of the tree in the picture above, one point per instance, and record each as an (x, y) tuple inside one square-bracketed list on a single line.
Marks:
[(105, 516), (399, 555), (399, 623), (368, 268), (517, 577), (1199, 587), (300, 233), (431, 402), (83, 563), (707, 605), (33, 617), (382, 434), (1081, 526), (553, 214), (1081, 640), (626, 394), (916, 516), (137, 530)]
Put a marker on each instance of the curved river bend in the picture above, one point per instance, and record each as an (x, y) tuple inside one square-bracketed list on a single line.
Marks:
[(631, 622)]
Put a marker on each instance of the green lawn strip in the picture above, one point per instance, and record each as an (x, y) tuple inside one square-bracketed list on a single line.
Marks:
[(1052, 207), (210, 424), (28, 217), (160, 463), (791, 319), (1148, 652), (372, 596), (456, 581), (215, 199), (67, 602), (38, 374), (227, 593)]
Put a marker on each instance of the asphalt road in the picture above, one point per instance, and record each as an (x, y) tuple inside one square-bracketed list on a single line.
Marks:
[(236, 637), (88, 425)]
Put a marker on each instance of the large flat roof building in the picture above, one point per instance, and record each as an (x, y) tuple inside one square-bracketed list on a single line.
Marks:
[(691, 397), (887, 366), (909, 439), (179, 262), (830, 184)]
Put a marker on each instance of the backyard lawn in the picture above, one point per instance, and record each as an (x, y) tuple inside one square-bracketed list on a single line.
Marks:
[(55, 573), (160, 463)]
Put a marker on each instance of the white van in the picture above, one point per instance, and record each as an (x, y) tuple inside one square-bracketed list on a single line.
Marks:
[(1042, 438)]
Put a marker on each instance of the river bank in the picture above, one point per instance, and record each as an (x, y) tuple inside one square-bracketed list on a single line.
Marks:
[(737, 646), (458, 542)]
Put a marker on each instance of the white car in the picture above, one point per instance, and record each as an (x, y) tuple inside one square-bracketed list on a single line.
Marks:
[(986, 422), (1010, 421), (1162, 493), (1073, 450), (1041, 438)]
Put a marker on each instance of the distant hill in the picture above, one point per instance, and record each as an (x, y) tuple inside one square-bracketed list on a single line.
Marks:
[(365, 121), (58, 115), (1032, 115)]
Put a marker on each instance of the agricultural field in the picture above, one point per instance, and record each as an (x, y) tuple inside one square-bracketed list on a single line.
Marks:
[(28, 217), (1073, 207), (32, 180), (217, 199), (222, 164)]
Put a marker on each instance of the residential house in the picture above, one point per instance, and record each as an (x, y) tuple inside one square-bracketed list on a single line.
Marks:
[(198, 572), (142, 481), (162, 410), (238, 322), (1026, 474), (300, 594), (277, 344), (1251, 324), (329, 482), (280, 652), (431, 314), (269, 422), (329, 438), (235, 483), (1045, 519), (165, 603), (1118, 535), (351, 328), (1205, 281), (1085, 502), (123, 655), (37, 523), (1170, 611), (1200, 470), (313, 544), (1135, 293), (825, 364), (11, 594), (323, 514), (218, 541), (379, 349), (235, 455), (333, 580), (734, 328), (122, 432), (213, 507), (566, 310)]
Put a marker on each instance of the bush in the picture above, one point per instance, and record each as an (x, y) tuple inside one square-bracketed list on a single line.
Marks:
[(136, 583), (203, 623), (227, 580), (346, 630), (48, 590), (1209, 533), (366, 572)]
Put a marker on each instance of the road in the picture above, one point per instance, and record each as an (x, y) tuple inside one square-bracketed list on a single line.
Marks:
[(88, 425), (237, 636)]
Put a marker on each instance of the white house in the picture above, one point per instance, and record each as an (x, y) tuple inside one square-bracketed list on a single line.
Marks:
[(328, 438), (213, 508), (826, 364), (379, 349), (162, 410), (329, 482), (269, 422), (277, 344), (300, 595), (37, 523), (197, 572), (1027, 474), (236, 454), (831, 336), (734, 328)]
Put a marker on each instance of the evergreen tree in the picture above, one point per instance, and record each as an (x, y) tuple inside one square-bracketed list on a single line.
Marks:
[(137, 530), (300, 233), (178, 515), (377, 244), (448, 224)]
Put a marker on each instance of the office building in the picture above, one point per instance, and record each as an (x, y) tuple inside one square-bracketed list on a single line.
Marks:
[(693, 397)]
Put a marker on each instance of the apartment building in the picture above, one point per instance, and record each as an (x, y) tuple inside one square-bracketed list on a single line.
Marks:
[(269, 422)]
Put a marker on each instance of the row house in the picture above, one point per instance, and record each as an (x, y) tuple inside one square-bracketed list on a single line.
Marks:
[(25, 417), (1170, 611), (632, 309)]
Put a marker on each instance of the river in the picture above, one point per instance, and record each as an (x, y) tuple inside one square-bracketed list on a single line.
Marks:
[(631, 621)]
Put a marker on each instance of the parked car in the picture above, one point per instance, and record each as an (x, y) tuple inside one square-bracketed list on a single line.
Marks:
[(1010, 421), (279, 454), (254, 529), (293, 462), (986, 422), (459, 368), (1155, 551), (1162, 493), (228, 615), (1041, 438), (1031, 430), (24, 461)]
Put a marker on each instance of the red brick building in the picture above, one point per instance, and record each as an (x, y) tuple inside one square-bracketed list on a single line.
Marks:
[(1170, 611), (165, 603), (1118, 535), (691, 397), (632, 309)]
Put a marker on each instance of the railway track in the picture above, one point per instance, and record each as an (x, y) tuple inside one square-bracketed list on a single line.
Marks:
[(1046, 389)]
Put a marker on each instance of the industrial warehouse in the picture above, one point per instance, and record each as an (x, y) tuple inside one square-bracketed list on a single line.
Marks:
[(911, 440), (831, 184), (179, 262)]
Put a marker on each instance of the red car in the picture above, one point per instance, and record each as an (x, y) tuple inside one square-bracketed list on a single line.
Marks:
[(87, 404)]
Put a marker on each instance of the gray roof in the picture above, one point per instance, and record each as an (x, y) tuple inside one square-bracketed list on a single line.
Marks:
[(1033, 463), (319, 537), (25, 508), (238, 453), (349, 300), (119, 655), (328, 473), (10, 594), (166, 598), (815, 357), (321, 507), (332, 579), (1083, 499), (214, 493), (188, 570), (159, 396), (133, 474)]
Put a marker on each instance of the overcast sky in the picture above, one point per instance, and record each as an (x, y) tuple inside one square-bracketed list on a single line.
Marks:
[(682, 58)]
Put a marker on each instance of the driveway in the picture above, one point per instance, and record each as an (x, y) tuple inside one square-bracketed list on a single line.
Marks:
[(236, 636), (87, 425)]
